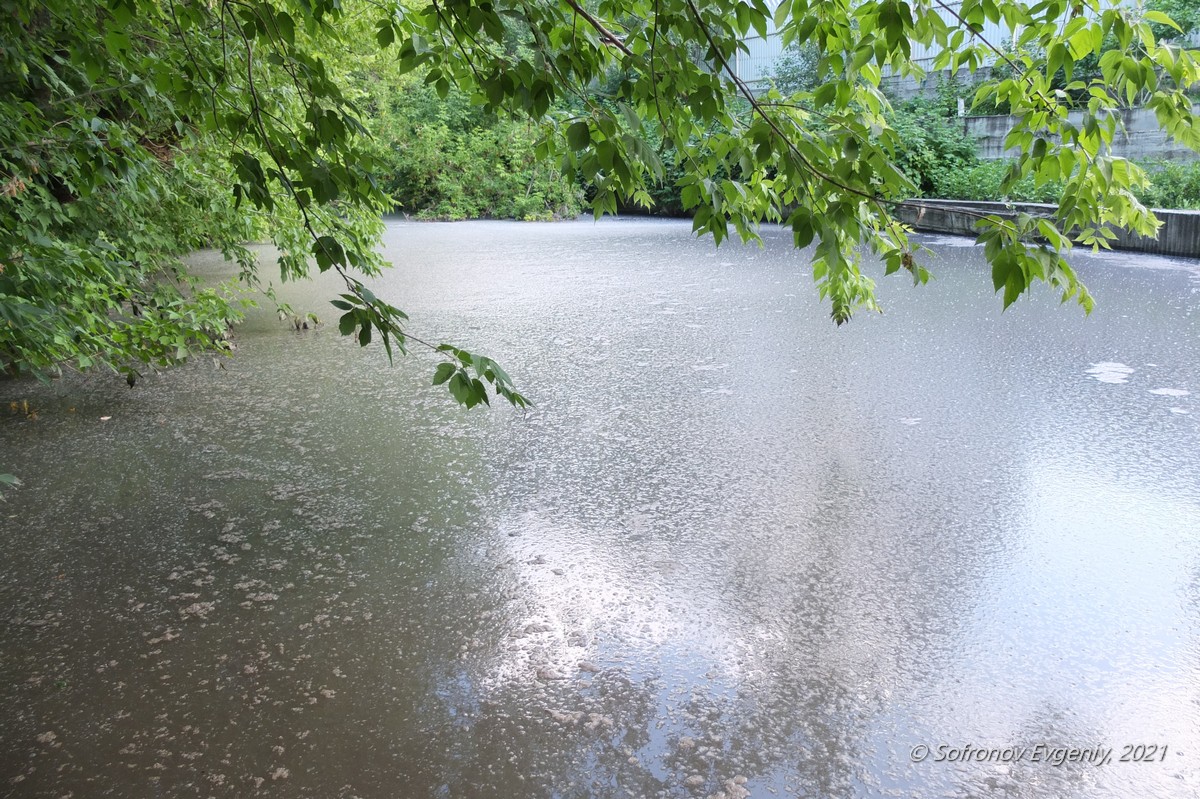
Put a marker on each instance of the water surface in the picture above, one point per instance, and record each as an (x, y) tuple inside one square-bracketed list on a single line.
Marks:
[(732, 549)]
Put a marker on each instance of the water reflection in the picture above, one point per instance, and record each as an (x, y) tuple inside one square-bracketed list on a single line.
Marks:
[(732, 549)]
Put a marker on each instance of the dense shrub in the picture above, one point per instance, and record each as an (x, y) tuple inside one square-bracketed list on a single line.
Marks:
[(981, 181), (1172, 185), (931, 145), (448, 159)]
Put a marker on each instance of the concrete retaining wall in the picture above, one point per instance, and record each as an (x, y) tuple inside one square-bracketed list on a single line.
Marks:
[(1141, 138), (1179, 234)]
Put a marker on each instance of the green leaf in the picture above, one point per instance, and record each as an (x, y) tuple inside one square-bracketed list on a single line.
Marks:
[(578, 135), (460, 387), (386, 33), (286, 27), (328, 252), (1162, 19)]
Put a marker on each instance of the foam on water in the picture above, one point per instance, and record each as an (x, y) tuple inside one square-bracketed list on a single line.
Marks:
[(1110, 372)]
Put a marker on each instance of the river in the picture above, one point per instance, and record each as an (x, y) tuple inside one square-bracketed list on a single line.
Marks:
[(733, 549)]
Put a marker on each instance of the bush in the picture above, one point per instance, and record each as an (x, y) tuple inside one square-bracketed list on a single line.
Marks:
[(447, 159), (931, 145), (981, 182), (1172, 185)]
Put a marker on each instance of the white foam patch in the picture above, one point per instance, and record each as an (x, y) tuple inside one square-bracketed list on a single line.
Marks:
[(1110, 372), (1170, 392), (938, 240)]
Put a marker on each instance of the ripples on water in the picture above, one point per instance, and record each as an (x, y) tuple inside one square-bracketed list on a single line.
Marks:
[(733, 549)]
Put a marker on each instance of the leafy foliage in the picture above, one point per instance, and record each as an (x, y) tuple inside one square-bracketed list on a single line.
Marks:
[(135, 130), (131, 130), (985, 181), (931, 144), (796, 69), (448, 159), (821, 160), (1172, 184), (1183, 18), (1169, 184), (96, 200), (466, 375)]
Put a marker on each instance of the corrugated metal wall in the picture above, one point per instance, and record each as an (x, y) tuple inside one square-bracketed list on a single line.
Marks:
[(756, 67)]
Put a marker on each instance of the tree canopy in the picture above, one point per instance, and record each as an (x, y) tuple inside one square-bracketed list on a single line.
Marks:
[(132, 131)]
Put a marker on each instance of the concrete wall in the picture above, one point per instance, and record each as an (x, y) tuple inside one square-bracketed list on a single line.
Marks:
[(1141, 137), (1179, 234), (905, 88)]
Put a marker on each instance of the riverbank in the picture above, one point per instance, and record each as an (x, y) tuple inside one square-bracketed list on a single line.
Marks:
[(1178, 236)]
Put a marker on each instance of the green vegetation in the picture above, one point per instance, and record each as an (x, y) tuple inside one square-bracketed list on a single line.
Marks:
[(930, 141), (1170, 184), (985, 181), (931, 144), (940, 159), (445, 158), (1074, 70), (797, 69), (1183, 16), (134, 130)]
